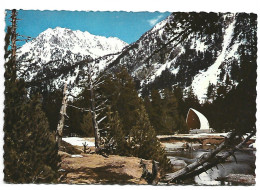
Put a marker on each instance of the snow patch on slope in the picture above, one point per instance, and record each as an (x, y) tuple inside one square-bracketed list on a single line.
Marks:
[(198, 43), (203, 79), (78, 141), (159, 25), (159, 68)]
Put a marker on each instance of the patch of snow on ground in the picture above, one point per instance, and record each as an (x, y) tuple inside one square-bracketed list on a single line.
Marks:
[(175, 145), (205, 179), (76, 156), (208, 134), (194, 135), (202, 80), (78, 141)]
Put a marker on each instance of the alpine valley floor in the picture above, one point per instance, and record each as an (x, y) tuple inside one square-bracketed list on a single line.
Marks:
[(80, 168)]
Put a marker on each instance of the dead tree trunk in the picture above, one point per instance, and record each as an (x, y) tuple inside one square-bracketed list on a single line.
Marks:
[(150, 177), (92, 83), (13, 38), (59, 131), (208, 160), (94, 116), (13, 43)]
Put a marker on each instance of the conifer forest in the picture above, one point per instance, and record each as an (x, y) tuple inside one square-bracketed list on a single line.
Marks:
[(177, 106)]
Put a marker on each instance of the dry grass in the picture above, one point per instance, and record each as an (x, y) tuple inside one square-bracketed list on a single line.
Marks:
[(96, 169)]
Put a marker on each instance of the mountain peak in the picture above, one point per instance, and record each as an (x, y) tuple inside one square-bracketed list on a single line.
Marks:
[(61, 40), (55, 30), (62, 48)]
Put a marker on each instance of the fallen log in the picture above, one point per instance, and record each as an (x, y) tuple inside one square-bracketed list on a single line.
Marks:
[(200, 161), (208, 160)]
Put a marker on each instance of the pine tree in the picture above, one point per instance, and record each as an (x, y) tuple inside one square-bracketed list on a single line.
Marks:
[(123, 97), (31, 153), (144, 143), (113, 138), (148, 105), (41, 145), (211, 92), (191, 100), (170, 110), (155, 114), (51, 106), (78, 121), (221, 91), (86, 128), (176, 122), (178, 92)]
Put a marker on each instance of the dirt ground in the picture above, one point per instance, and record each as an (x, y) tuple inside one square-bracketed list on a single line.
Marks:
[(96, 169)]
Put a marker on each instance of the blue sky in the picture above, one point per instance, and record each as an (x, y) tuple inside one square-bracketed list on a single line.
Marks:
[(127, 26)]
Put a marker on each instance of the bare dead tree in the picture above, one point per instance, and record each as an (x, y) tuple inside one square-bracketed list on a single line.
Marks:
[(92, 81), (209, 160), (14, 46), (13, 37), (59, 131)]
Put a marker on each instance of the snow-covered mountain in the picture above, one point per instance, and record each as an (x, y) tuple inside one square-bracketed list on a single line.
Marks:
[(56, 54), (190, 50), (186, 50), (59, 42)]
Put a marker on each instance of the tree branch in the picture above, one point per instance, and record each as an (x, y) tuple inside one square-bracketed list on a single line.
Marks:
[(82, 109)]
